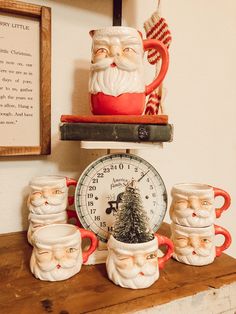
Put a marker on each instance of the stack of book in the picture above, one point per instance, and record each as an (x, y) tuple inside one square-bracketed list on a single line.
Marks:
[(144, 128)]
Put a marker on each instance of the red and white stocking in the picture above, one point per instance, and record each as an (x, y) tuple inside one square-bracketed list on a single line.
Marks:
[(156, 28)]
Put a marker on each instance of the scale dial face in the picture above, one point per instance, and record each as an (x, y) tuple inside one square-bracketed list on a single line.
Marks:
[(99, 190)]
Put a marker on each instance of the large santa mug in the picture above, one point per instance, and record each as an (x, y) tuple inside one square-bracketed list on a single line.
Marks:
[(116, 83), (136, 265), (57, 253), (197, 246)]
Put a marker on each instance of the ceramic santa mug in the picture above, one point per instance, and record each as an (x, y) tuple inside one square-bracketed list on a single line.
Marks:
[(116, 82), (57, 253), (37, 221), (193, 204), (136, 265), (49, 194), (196, 246)]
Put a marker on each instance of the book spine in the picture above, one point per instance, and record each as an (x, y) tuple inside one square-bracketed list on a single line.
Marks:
[(116, 132)]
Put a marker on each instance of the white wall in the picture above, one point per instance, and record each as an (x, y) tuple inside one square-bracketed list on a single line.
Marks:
[(200, 100)]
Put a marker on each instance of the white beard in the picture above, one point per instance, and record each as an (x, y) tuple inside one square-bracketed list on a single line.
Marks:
[(202, 218), (126, 77), (202, 256), (49, 271), (132, 279)]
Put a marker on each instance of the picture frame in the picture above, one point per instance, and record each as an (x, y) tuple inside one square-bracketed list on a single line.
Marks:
[(25, 83)]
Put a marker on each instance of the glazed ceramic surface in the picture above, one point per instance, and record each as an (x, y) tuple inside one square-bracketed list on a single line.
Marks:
[(136, 266), (49, 194), (196, 246), (57, 253), (37, 221), (193, 204), (116, 83)]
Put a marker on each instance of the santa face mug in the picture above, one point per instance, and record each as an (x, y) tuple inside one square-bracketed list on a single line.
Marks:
[(116, 83), (57, 253), (196, 246), (49, 194), (37, 221), (136, 265), (193, 204)]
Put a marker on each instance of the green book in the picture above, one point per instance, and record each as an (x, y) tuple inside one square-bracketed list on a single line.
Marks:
[(117, 132)]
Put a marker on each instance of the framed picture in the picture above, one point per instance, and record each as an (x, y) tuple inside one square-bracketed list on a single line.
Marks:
[(25, 79)]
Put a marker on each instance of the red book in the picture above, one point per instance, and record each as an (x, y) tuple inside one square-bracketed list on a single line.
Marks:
[(144, 119)]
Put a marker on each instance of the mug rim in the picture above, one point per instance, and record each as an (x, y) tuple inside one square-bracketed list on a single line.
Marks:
[(115, 30), (114, 243), (189, 188), (47, 181), (56, 239), (175, 226)]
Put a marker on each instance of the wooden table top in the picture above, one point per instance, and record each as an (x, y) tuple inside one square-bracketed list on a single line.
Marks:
[(90, 291)]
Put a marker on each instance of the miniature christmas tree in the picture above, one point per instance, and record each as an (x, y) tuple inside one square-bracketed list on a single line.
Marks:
[(131, 224)]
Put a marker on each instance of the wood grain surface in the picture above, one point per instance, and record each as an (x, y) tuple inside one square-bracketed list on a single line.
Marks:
[(90, 291)]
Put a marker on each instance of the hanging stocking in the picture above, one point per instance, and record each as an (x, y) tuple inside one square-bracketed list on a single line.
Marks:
[(156, 28)]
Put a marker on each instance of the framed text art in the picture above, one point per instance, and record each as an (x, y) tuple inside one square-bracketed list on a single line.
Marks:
[(25, 79)]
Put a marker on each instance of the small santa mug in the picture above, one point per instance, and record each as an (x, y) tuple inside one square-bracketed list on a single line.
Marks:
[(37, 221), (57, 253), (116, 82), (193, 204), (136, 265), (49, 194), (196, 246)]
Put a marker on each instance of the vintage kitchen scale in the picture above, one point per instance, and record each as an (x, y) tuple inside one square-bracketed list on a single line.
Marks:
[(99, 190)]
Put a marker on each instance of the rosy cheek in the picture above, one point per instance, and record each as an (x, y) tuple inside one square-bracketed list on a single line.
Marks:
[(44, 257), (73, 255), (207, 207), (35, 196), (181, 243), (129, 54), (99, 56), (181, 205), (132, 57), (206, 245), (153, 262), (125, 264)]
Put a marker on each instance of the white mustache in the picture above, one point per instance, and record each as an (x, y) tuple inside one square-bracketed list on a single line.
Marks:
[(64, 263), (184, 213), (121, 62), (189, 250), (147, 270), (51, 200)]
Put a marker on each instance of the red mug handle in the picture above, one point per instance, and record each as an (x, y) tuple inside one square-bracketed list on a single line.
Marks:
[(93, 243), (70, 182), (227, 201), (227, 242), (73, 218), (161, 48), (162, 240)]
